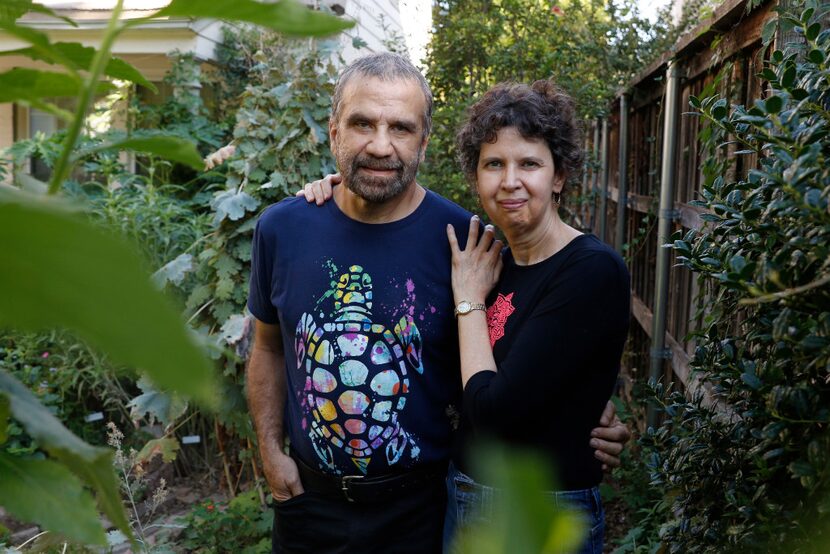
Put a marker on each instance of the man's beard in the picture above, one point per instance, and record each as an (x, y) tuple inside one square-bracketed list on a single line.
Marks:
[(373, 188)]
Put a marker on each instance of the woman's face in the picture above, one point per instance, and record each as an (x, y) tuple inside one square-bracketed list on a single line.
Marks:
[(515, 179)]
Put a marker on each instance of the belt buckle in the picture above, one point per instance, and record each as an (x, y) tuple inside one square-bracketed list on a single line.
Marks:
[(345, 483)]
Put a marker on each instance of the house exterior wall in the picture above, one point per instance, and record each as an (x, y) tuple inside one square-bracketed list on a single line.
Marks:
[(6, 125), (378, 21)]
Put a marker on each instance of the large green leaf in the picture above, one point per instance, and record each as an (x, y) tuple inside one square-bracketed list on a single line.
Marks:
[(167, 447), (78, 56), (286, 16), (92, 464), (119, 69), (36, 38), (46, 493), (22, 84), (171, 148), (66, 272), (163, 406), (4, 418)]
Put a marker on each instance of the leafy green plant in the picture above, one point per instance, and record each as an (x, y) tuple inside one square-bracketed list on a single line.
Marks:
[(589, 48), (128, 464), (752, 471), (645, 505), (241, 525), (281, 142), (102, 292), (68, 378)]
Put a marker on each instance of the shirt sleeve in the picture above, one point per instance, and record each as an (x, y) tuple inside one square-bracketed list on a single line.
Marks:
[(262, 266), (581, 312)]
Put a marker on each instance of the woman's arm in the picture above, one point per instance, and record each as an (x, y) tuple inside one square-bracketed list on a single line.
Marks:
[(574, 333), (320, 191), (475, 271)]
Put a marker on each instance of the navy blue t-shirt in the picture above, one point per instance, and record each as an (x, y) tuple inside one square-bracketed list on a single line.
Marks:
[(366, 315)]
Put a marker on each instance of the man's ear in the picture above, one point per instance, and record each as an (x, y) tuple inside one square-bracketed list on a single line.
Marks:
[(333, 136), (424, 144)]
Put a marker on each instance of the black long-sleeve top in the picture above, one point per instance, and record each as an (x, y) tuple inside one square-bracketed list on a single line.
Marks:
[(557, 328)]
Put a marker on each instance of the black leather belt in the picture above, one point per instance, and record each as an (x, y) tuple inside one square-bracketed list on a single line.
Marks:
[(357, 488)]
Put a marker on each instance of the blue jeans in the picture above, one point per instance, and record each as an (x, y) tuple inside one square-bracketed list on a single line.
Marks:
[(468, 502)]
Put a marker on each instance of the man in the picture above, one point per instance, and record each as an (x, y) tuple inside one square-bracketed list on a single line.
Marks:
[(355, 355)]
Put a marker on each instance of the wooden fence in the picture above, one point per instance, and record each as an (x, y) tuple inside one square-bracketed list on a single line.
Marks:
[(650, 139)]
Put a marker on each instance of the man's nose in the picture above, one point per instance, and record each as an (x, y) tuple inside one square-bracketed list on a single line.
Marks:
[(380, 146)]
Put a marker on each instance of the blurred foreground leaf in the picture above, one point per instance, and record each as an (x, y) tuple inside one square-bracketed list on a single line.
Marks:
[(78, 56), (92, 464), (10, 10), (525, 519), (4, 418), (62, 271), (46, 493), (170, 148)]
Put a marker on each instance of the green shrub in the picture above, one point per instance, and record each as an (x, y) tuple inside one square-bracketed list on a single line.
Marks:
[(753, 474), (589, 48), (240, 526)]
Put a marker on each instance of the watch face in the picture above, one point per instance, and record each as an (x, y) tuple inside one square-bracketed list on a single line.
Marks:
[(463, 307)]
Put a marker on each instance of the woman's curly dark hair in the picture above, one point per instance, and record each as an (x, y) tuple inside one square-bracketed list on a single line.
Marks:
[(541, 110)]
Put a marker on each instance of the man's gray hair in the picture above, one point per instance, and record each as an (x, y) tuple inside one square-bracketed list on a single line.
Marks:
[(385, 66)]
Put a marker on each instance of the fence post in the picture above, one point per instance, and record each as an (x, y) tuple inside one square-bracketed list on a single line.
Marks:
[(622, 183), (666, 215), (594, 180), (584, 210), (603, 204)]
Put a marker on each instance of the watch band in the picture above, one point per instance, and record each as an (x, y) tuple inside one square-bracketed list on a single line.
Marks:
[(464, 307)]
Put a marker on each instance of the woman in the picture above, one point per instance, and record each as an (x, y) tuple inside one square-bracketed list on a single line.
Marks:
[(541, 347)]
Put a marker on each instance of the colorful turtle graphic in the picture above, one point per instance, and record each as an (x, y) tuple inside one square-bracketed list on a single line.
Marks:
[(357, 375)]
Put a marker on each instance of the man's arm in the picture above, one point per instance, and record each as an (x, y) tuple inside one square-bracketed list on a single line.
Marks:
[(266, 384)]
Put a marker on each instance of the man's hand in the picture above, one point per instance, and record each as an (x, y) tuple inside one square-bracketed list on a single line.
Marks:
[(320, 191), (219, 157), (282, 476), (609, 438)]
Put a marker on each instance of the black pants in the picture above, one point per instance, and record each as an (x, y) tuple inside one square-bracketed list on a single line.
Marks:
[(320, 524)]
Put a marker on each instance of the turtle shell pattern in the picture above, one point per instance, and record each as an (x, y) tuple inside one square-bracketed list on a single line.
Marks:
[(357, 376)]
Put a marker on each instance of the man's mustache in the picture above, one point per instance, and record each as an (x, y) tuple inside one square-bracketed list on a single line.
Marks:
[(370, 163)]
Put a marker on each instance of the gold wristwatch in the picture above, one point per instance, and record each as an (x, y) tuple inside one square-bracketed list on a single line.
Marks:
[(464, 307)]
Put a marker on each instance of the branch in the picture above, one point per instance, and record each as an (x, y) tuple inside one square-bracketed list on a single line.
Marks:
[(787, 292)]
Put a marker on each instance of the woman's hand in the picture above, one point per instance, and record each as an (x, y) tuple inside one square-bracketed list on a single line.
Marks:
[(320, 191), (219, 157), (476, 269)]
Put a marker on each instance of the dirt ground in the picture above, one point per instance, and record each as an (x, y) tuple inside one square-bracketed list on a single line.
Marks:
[(617, 522), (185, 492)]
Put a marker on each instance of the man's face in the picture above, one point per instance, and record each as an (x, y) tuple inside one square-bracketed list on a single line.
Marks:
[(378, 139)]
